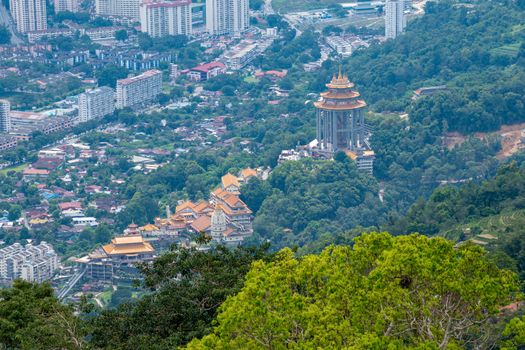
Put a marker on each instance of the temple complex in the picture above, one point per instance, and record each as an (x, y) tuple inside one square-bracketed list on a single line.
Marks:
[(121, 255), (340, 126)]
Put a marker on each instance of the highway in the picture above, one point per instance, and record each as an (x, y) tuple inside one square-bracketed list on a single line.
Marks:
[(70, 284)]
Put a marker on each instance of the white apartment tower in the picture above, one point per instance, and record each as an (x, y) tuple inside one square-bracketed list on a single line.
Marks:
[(66, 5), (227, 16), (29, 15), (395, 20), (139, 90), (164, 18), (120, 8), (5, 116), (94, 104), (33, 263)]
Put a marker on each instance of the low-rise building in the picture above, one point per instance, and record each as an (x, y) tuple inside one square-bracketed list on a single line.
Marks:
[(206, 71), (241, 55)]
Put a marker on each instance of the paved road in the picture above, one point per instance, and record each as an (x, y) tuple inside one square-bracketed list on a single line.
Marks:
[(6, 20)]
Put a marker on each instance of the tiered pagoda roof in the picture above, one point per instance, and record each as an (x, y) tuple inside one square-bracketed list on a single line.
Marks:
[(340, 95)]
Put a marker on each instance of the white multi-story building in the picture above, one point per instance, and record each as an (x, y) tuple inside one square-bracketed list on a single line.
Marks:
[(227, 16), (395, 20), (94, 104), (5, 116), (34, 263), (121, 8), (241, 55), (29, 15), (162, 18), (66, 5), (142, 89)]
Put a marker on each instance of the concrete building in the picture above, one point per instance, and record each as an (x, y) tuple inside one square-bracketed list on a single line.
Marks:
[(66, 5), (241, 55), (29, 15), (164, 18), (395, 20), (206, 71), (119, 8), (139, 90), (34, 263), (5, 116), (97, 103), (36, 35), (227, 16), (340, 45)]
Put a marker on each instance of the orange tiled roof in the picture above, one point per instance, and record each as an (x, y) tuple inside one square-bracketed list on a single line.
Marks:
[(202, 223), (127, 245), (229, 180), (248, 172), (185, 205)]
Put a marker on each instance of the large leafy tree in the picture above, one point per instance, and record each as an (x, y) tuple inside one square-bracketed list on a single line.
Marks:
[(31, 317), (385, 292), (187, 287)]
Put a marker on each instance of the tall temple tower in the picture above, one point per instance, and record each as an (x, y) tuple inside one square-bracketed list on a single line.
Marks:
[(340, 117)]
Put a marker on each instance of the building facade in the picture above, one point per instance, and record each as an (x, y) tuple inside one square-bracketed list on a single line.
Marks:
[(227, 16), (395, 20), (29, 15), (119, 8), (165, 18), (96, 103), (66, 5), (5, 116), (139, 90), (33, 263)]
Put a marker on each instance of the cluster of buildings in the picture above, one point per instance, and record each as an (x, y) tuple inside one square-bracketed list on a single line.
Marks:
[(157, 17), (33, 263), (133, 92), (224, 216)]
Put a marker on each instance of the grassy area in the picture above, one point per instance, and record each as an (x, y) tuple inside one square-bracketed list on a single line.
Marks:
[(251, 80), (508, 50), (486, 230), (105, 297), (17, 168), (285, 6)]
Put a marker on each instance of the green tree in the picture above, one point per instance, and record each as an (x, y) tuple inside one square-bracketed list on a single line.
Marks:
[(121, 35), (32, 318), (5, 35), (187, 287), (109, 75), (398, 293)]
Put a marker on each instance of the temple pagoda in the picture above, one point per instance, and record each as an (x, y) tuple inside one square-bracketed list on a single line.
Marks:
[(341, 123)]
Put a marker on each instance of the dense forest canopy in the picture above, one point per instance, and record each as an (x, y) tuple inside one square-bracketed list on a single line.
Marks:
[(474, 48), (406, 292)]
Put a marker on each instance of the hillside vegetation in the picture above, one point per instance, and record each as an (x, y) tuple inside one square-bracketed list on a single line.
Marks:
[(475, 48)]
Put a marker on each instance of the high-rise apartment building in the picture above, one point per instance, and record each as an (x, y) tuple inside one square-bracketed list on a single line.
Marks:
[(139, 90), (66, 5), (122, 8), (227, 16), (395, 20), (33, 263), (5, 116), (162, 18), (96, 103), (29, 15)]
